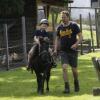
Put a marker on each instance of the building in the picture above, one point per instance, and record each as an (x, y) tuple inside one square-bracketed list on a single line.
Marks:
[(96, 4), (30, 9)]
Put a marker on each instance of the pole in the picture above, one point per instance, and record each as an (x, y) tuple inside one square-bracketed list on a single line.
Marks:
[(96, 27), (81, 31), (24, 40), (91, 31), (7, 47)]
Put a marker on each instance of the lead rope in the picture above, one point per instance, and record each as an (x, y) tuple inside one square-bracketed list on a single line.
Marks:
[(39, 47)]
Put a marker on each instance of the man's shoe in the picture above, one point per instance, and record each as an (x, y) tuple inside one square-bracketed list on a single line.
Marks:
[(76, 86), (67, 88), (66, 91)]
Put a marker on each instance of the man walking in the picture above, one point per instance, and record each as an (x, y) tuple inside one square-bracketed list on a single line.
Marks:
[(67, 33)]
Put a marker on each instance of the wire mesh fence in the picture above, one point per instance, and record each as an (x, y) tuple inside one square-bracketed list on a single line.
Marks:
[(12, 43), (16, 38)]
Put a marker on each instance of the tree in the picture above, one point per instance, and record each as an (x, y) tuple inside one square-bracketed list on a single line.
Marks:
[(30, 10), (17, 8), (11, 8)]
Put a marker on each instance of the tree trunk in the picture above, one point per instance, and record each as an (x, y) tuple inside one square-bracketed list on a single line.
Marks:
[(30, 10)]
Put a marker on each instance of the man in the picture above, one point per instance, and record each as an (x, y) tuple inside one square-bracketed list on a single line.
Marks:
[(67, 33)]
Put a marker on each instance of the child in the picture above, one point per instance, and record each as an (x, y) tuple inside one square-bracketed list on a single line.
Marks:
[(40, 35)]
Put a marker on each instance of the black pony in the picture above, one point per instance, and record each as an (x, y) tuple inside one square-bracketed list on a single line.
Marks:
[(40, 62)]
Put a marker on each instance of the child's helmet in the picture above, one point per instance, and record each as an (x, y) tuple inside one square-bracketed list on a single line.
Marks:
[(44, 21)]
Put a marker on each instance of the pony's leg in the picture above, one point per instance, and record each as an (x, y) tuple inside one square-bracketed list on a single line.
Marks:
[(47, 80), (39, 83), (43, 81)]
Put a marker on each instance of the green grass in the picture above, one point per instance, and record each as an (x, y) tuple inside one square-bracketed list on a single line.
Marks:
[(87, 35), (21, 85)]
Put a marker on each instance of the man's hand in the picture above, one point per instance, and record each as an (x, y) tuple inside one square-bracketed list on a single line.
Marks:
[(74, 46)]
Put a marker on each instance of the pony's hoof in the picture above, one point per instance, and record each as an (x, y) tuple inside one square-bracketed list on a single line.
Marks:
[(28, 69), (40, 92), (47, 90)]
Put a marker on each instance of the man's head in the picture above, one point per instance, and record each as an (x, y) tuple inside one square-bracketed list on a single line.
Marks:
[(65, 17), (44, 24)]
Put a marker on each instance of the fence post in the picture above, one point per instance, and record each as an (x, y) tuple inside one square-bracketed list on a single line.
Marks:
[(24, 39), (81, 31), (53, 26), (91, 32), (53, 21), (96, 19), (7, 47)]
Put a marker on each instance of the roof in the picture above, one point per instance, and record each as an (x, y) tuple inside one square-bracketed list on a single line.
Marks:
[(56, 2)]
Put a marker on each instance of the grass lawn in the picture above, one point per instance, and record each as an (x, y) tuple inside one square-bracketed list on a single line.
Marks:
[(87, 35), (21, 85)]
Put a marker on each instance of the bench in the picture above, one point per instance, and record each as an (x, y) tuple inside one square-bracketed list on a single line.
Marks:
[(96, 63), (85, 46), (96, 91)]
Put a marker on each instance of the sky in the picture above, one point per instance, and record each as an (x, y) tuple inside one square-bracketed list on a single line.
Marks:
[(81, 3)]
